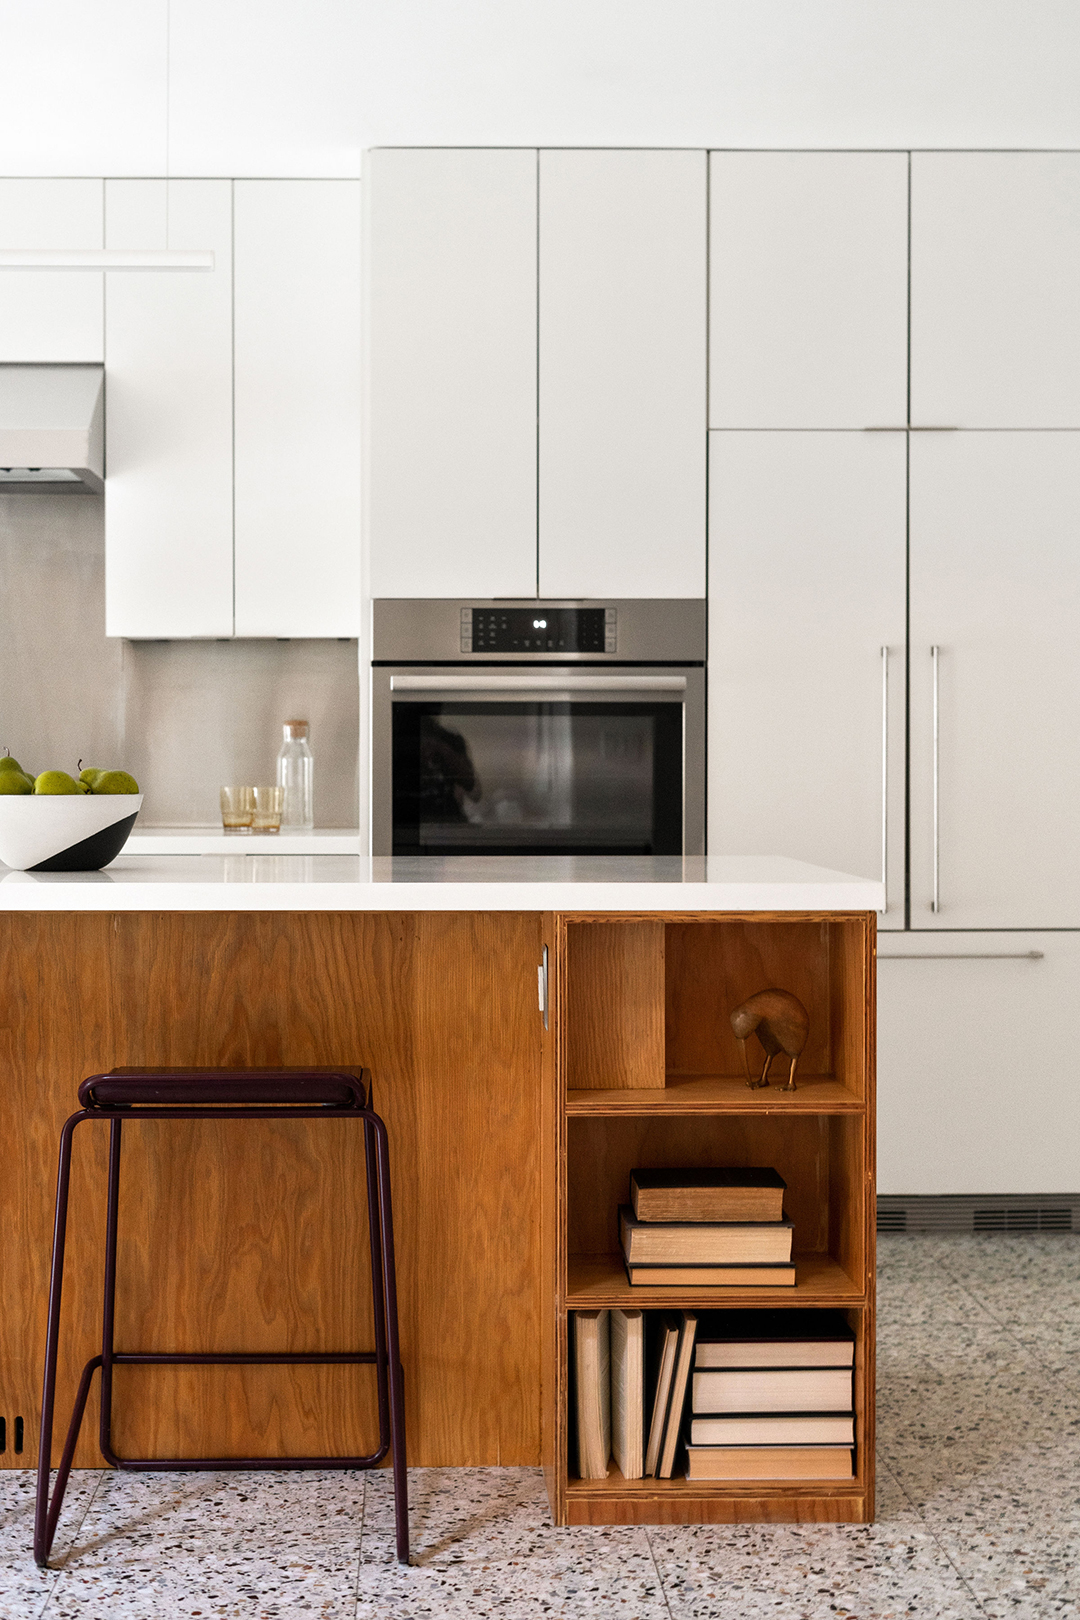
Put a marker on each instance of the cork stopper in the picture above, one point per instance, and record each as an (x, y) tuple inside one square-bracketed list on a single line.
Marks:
[(296, 728)]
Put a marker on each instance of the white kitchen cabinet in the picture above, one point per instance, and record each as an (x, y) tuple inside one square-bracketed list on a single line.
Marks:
[(808, 294), (450, 474), (623, 329), (297, 407), (806, 587), (977, 1089), (51, 315), (995, 289), (995, 586), (168, 444)]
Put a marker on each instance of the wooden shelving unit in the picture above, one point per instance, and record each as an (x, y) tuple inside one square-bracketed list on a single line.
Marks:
[(642, 1069)]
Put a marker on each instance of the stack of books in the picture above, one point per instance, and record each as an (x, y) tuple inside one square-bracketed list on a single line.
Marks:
[(706, 1228), (771, 1396)]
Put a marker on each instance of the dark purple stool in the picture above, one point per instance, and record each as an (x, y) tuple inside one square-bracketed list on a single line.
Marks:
[(128, 1094)]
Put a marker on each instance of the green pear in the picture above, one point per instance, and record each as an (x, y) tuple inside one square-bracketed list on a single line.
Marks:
[(15, 782), (115, 782), (90, 775), (55, 782), (8, 763)]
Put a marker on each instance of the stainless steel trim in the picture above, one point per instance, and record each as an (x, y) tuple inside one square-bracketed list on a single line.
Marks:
[(885, 774), (669, 630), (538, 683), (964, 956), (935, 904)]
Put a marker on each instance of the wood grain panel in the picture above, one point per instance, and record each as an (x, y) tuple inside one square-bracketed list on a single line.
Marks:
[(615, 1004), (251, 1236), (712, 967)]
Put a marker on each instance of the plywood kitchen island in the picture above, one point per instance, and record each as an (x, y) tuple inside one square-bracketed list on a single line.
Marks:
[(510, 1141)]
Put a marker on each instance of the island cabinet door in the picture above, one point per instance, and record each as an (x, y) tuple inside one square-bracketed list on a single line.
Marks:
[(450, 338), (297, 361), (623, 269), (806, 651), (808, 289), (169, 415), (995, 680), (51, 315), (995, 294)]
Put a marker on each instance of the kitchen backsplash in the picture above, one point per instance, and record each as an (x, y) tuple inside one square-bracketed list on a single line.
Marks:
[(183, 716)]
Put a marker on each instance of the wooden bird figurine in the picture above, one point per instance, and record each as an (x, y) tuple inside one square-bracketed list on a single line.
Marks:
[(781, 1023)]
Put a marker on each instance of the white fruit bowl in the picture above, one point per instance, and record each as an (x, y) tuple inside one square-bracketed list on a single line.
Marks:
[(65, 832)]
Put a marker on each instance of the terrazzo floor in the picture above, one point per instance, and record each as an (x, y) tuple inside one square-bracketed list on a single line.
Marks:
[(978, 1504)]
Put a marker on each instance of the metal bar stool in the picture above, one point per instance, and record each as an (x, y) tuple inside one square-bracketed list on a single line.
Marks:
[(128, 1094)]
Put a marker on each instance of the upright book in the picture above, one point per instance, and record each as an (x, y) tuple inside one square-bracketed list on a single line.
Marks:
[(664, 1349), (592, 1391), (707, 1195), (628, 1392), (684, 1362)]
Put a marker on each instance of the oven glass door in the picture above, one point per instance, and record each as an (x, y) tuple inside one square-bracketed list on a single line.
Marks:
[(536, 776)]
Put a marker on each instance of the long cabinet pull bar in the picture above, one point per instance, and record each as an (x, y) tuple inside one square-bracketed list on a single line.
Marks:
[(909, 427), (936, 902), (885, 774), (963, 956)]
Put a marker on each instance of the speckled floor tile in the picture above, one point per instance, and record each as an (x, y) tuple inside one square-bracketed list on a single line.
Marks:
[(483, 1544), (25, 1589), (809, 1572)]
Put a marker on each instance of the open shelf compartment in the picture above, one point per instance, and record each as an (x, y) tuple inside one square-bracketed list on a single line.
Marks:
[(649, 1004)]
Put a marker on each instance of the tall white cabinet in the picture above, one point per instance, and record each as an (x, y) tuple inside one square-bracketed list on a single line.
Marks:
[(807, 642)]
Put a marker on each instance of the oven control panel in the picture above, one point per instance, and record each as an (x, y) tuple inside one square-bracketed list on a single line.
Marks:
[(539, 630)]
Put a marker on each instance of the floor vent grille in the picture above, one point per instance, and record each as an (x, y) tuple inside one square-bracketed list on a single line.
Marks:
[(1001, 1212)]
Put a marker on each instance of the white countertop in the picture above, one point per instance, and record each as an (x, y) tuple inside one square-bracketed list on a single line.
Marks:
[(247, 882)]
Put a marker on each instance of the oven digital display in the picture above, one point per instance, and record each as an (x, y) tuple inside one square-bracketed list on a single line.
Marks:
[(538, 630)]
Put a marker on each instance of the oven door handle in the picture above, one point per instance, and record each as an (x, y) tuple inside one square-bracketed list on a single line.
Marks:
[(538, 683)]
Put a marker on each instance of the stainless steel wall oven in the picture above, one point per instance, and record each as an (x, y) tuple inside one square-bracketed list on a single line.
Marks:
[(538, 728)]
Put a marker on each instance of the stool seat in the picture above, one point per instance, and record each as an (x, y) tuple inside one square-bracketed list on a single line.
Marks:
[(200, 1088)]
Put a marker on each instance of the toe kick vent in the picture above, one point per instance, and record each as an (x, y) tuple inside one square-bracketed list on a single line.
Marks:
[(989, 1212)]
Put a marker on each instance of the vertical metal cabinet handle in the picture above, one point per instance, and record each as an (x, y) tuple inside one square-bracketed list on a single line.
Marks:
[(935, 904), (885, 775)]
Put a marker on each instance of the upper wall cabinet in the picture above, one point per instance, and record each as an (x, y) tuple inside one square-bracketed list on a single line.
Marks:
[(995, 289), (51, 315), (450, 482), (297, 394), (232, 501), (168, 415), (622, 443), (808, 268)]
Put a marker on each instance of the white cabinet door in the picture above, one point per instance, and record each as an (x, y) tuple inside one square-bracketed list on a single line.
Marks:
[(297, 401), (976, 1090), (168, 446), (450, 331), (623, 269), (995, 586), (806, 587), (808, 297), (995, 289), (51, 315)]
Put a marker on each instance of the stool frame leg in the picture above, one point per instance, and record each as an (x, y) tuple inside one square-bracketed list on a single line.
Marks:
[(386, 1356)]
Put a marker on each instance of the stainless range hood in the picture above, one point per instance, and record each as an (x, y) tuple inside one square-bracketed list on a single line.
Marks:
[(52, 429)]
